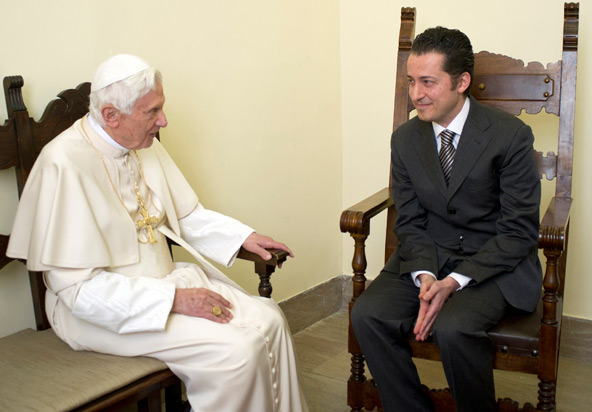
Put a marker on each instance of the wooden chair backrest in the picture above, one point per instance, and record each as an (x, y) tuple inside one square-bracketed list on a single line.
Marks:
[(21, 141), (512, 86)]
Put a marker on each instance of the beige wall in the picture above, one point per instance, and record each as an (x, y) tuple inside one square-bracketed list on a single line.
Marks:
[(269, 102)]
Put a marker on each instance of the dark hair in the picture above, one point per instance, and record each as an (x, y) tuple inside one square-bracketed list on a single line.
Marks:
[(453, 44)]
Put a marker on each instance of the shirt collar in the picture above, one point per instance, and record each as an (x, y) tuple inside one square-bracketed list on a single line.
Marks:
[(103, 134), (457, 124)]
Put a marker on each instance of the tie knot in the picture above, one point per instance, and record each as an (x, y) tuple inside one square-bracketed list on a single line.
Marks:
[(447, 136)]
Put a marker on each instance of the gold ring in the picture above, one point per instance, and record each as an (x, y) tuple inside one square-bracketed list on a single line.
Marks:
[(216, 311)]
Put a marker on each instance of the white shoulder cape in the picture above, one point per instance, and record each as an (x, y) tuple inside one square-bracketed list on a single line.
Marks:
[(69, 215)]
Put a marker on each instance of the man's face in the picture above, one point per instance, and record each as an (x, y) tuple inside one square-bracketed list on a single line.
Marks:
[(138, 129), (434, 93)]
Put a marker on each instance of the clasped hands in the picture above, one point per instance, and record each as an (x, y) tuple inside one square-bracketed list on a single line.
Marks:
[(200, 302), (432, 296)]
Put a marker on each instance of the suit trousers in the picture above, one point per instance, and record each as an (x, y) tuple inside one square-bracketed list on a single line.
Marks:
[(384, 315)]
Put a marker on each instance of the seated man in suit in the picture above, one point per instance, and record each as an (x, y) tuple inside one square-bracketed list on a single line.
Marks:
[(467, 191), (94, 216)]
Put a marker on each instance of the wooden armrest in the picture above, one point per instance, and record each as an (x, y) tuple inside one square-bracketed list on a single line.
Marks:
[(554, 225), (553, 234), (264, 268), (4, 260), (356, 219), (277, 256)]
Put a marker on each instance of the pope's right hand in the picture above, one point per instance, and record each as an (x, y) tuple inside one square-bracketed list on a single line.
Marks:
[(202, 303)]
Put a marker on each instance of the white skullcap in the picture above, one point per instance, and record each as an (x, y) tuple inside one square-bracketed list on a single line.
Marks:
[(116, 68)]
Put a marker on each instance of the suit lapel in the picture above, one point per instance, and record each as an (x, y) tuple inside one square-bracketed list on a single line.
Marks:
[(471, 145), (427, 152)]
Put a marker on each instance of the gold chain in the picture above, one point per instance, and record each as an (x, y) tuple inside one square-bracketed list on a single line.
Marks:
[(144, 177), (147, 221)]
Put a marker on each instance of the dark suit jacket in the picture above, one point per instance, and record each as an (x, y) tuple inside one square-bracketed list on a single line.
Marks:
[(485, 223)]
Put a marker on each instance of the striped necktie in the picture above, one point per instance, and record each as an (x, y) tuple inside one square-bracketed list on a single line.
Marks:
[(446, 152)]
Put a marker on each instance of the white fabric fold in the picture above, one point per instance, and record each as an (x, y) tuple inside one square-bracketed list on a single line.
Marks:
[(211, 233), (124, 304)]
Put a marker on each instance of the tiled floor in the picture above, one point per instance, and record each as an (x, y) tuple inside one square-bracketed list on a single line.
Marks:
[(324, 361)]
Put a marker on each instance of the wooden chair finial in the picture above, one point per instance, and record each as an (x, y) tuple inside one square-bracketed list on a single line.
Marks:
[(571, 20), (13, 94)]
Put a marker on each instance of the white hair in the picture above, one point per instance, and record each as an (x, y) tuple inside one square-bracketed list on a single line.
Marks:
[(124, 94)]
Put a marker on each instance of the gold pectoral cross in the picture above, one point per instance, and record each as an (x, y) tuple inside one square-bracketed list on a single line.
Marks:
[(147, 221)]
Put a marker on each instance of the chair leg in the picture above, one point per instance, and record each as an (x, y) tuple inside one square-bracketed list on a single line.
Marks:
[(549, 332), (546, 395), (356, 396), (173, 398), (357, 379), (355, 384), (152, 403)]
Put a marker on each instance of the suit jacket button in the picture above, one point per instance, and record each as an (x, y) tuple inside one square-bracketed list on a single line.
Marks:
[(451, 211), (461, 238)]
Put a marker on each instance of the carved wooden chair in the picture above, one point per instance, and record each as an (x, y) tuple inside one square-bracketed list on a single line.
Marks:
[(39, 371), (528, 343)]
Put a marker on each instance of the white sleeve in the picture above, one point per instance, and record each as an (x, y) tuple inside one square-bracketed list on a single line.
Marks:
[(416, 273), (461, 279), (112, 301), (214, 235)]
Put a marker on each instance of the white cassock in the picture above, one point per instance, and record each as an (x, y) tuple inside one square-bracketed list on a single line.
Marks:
[(110, 292)]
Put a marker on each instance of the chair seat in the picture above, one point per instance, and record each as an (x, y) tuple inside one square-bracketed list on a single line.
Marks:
[(42, 373), (518, 334)]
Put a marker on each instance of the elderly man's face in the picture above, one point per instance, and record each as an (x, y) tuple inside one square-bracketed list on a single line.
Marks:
[(138, 129)]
